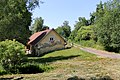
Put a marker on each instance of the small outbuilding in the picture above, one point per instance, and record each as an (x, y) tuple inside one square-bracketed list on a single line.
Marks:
[(45, 41)]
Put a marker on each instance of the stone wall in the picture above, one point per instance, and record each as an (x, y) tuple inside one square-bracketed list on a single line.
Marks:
[(40, 49)]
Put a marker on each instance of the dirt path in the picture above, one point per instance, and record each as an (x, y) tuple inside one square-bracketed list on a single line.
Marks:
[(102, 53)]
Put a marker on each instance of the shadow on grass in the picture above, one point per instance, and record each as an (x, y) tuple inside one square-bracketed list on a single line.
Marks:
[(52, 59), (12, 78), (6, 78), (35, 55), (92, 78)]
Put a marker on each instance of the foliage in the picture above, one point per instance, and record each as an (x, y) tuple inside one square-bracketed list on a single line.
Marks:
[(75, 33), (92, 19), (84, 33), (38, 25), (15, 20), (45, 27), (32, 4), (91, 43), (64, 30), (104, 26), (81, 22), (108, 26), (60, 30), (3, 72), (13, 59), (12, 54)]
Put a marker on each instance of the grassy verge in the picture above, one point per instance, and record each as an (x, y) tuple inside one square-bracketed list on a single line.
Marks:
[(91, 43)]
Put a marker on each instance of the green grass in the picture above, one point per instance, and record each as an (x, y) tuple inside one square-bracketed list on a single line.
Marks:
[(63, 55), (91, 43), (66, 52), (73, 52)]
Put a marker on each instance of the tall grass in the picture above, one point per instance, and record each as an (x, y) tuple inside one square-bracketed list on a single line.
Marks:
[(91, 43)]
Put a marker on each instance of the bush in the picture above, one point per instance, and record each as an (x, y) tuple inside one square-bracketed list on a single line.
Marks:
[(12, 54), (88, 43), (3, 72)]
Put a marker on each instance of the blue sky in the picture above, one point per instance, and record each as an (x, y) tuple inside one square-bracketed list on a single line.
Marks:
[(55, 12)]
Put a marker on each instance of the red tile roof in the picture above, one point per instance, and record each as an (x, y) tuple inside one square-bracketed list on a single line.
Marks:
[(38, 36)]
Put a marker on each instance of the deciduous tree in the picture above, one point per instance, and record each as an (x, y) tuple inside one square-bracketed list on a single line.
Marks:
[(15, 19), (38, 25)]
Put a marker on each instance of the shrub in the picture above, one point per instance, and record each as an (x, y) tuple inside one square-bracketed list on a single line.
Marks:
[(3, 72), (12, 54), (88, 43)]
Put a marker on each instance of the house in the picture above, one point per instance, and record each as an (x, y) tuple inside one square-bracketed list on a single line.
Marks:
[(45, 41)]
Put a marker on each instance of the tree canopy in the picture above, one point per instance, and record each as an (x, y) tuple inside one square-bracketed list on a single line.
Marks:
[(108, 26), (64, 30), (105, 22), (15, 19), (38, 25)]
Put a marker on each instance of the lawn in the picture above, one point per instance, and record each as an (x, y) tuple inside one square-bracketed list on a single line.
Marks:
[(73, 64), (63, 55)]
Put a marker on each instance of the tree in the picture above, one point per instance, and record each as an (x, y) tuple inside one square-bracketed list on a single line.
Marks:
[(81, 22), (84, 33), (66, 29), (45, 27), (60, 30), (32, 4), (38, 25), (100, 10), (92, 19), (15, 19), (108, 26), (73, 35)]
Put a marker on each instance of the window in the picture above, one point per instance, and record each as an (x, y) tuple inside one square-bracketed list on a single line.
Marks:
[(51, 39)]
